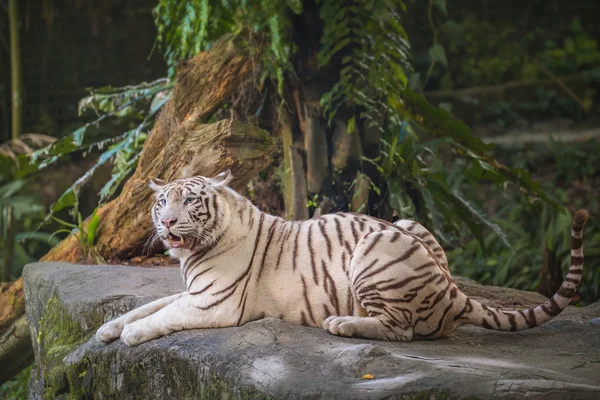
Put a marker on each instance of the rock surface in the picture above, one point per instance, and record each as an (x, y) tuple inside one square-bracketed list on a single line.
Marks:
[(272, 359)]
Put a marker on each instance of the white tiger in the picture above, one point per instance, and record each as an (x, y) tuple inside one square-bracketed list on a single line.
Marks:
[(352, 274)]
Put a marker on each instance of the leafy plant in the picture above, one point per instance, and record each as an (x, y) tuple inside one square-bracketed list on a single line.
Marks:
[(85, 234), (361, 40), (18, 215), (19, 212), (16, 388), (535, 228), (357, 32), (419, 188), (137, 104), (459, 58)]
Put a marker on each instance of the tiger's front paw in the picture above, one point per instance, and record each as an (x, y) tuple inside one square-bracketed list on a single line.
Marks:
[(110, 331), (137, 333)]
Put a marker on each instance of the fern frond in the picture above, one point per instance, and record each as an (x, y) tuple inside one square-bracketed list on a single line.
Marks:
[(376, 54)]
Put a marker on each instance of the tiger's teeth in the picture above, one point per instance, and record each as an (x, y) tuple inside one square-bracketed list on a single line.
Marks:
[(182, 241)]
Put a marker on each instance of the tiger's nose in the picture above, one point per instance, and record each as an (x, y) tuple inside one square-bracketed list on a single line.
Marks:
[(168, 222)]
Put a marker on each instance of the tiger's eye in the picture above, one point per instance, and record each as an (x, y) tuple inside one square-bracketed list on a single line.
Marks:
[(162, 202), (188, 201)]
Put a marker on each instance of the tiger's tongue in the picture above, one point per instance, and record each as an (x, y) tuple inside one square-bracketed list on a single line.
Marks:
[(176, 242)]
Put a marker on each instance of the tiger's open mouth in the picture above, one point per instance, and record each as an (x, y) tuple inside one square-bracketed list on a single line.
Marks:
[(177, 242)]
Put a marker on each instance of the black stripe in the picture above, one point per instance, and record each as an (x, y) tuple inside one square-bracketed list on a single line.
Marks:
[(467, 308), (511, 320), (242, 312), (245, 273), (576, 261), (283, 242), (295, 251), (426, 265), (354, 233), (403, 257), (269, 238), (197, 275), (327, 241), (204, 289), (403, 282), (373, 243), (551, 307), (485, 324), (312, 255), (566, 292), (307, 301), (440, 324), (338, 230)]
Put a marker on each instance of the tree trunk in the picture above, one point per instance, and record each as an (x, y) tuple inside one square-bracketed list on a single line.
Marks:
[(315, 142), (15, 68), (15, 343), (294, 179), (9, 245), (181, 138)]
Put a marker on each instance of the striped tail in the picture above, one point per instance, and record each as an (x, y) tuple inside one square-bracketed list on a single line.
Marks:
[(492, 318)]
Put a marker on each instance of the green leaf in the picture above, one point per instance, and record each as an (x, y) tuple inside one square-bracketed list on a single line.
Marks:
[(67, 199), (444, 198), (9, 189), (436, 220), (92, 227), (65, 223), (441, 5), (40, 236), (400, 200), (440, 123), (438, 54), (351, 125), (60, 231)]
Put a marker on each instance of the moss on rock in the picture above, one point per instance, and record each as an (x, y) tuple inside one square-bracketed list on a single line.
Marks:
[(58, 335)]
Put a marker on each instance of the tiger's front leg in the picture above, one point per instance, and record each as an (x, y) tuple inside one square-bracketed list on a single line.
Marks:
[(186, 313), (112, 330)]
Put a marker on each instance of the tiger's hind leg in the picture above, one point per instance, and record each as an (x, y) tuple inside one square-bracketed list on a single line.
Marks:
[(367, 327), (391, 273)]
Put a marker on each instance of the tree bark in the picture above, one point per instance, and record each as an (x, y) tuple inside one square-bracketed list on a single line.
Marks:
[(294, 179), (15, 343), (182, 138), (315, 142), (15, 68), (9, 245)]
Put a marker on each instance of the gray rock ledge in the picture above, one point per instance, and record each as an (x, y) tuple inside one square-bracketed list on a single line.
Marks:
[(272, 359)]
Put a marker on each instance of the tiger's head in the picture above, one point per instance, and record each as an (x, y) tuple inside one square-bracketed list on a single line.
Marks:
[(188, 212)]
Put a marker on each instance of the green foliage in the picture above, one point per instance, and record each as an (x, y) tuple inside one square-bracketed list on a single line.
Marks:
[(186, 28), (86, 235), (313, 202), (422, 186), (369, 36), (506, 54), (356, 31), (136, 106), (16, 388), (534, 227), (19, 213)]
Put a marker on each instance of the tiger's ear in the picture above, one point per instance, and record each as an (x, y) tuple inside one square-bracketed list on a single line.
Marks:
[(156, 184), (222, 179)]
